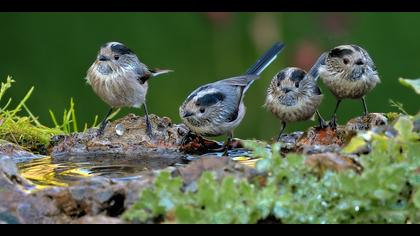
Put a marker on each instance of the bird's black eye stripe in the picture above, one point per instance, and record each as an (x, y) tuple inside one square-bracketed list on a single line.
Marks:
[(210, 99), (281, 76), (121, 49), (337, 52), (297, 75), (189, 98)]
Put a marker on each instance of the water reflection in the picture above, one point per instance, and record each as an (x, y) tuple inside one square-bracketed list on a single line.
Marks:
[(45, 172)]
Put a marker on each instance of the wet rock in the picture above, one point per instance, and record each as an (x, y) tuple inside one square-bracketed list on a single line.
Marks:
[(88, 198), (332, 161), (194, 144), (289, 141), (9, 197), (15, 151), (7, 218), (9, 173), (83, 203), (132, 143), (220, 166), (95, 196), (316, 149), (362, 123), (318, 140)]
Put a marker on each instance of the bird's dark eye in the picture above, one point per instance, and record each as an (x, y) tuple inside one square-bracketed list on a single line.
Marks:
[(116, 57), (297, 84), (202, 110), (278, 84), (346, 61)]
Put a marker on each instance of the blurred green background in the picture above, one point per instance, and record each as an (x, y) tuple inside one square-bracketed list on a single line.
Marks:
[(53, 51)]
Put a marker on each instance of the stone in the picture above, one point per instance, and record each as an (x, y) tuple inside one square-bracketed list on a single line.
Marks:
[(221, 166), (133, 143), (7, 218), (14, 151), (289, 141), (10, 172)]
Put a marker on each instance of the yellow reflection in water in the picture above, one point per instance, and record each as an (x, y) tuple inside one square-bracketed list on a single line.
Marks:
[(248, 161), (43, 173)]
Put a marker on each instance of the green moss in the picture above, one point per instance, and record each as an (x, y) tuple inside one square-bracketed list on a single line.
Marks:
[(392, 116), (25, 131)]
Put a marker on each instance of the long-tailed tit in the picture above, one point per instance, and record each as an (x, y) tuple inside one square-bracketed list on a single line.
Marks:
[(349, 72), (120, 80), (293, 95), (217, 108)]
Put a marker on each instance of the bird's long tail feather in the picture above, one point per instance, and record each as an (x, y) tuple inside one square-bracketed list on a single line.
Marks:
[(264, 61), (314, 70), (157, 72)]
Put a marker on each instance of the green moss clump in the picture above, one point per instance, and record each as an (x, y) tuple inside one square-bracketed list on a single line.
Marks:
[(25, 131)]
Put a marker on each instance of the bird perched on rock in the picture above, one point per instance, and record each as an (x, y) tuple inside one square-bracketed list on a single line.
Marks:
[(293, 95), (217, 108), (119, 78), (349, 72)]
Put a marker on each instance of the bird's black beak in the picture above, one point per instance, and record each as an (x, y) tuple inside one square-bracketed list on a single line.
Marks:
[(103, 58), (360, 62), (187, 114), (286, 90)]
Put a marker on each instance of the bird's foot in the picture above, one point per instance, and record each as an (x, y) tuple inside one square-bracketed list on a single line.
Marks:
[(225, 153), (99, 133), (333, 123), (101, 130), (149, 132), (322, 124)]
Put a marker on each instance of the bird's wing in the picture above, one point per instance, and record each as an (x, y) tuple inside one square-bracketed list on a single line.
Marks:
[(240, 81)]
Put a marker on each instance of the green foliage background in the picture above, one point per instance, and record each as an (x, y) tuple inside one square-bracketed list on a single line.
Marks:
[(52, 51)]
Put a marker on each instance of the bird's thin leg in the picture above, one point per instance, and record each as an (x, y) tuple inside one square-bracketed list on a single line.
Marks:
[(149, 130), (334, 118), (227, 143), (104, 122), (322, 123), (365, 106), (281, 131)]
